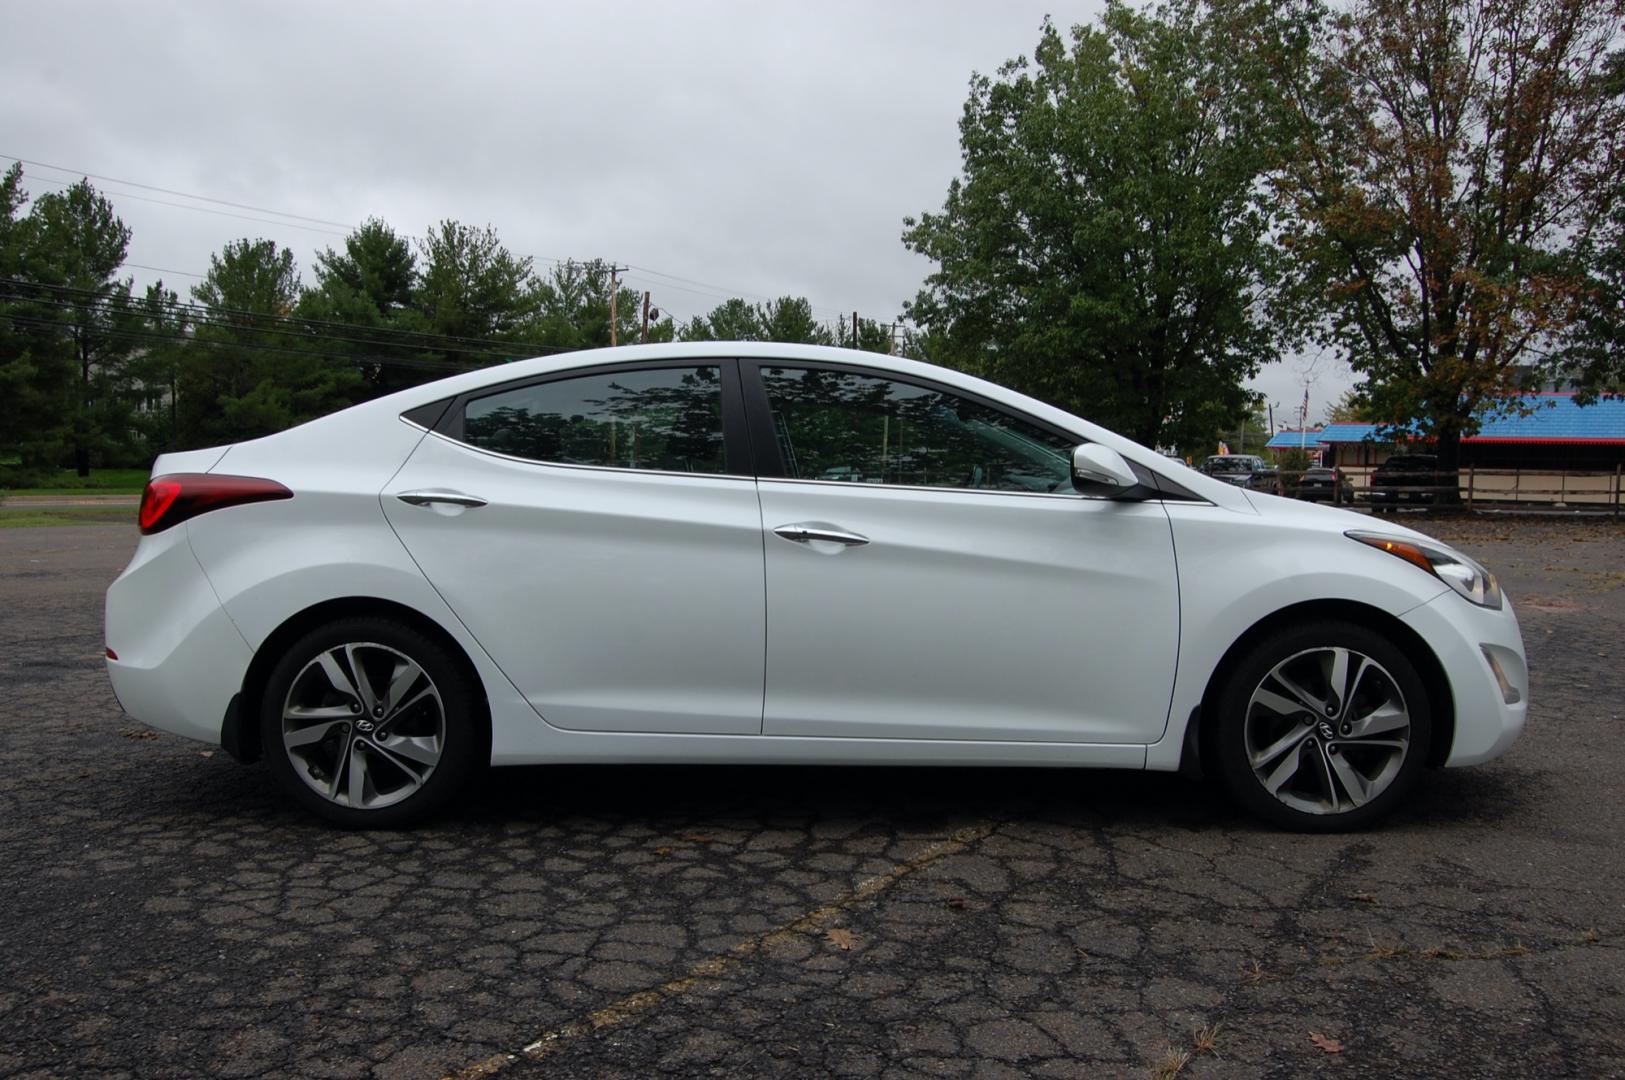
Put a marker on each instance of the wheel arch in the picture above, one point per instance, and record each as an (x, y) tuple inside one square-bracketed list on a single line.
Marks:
[(1198, 750), (242, 729)]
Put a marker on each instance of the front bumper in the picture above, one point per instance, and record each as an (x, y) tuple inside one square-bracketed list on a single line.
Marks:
[(180, 657), (1465, 637)]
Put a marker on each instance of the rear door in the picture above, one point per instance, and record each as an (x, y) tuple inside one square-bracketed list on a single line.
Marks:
[(599, 533)]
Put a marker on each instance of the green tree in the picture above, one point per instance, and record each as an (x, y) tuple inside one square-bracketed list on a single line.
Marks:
[(73, 245), (370, 285), (1351, 408), (247, 372), (1447, 160), (571, 308), (470, 286), (731, 320), (22, 404), (1596, 354), (1108, 244), (790, 319), (155, 367)]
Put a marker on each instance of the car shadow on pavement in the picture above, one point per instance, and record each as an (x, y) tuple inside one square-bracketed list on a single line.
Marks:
[(695, 797)]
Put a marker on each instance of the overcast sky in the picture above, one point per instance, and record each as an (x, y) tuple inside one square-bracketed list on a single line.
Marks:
[(751, 149)]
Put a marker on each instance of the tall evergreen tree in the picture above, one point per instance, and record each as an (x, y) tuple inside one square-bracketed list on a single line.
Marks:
[(471, 286), (247, 375), (73, 246), (370, 285)]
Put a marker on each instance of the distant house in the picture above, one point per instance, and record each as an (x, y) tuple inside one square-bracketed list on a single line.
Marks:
[(1558, 435)]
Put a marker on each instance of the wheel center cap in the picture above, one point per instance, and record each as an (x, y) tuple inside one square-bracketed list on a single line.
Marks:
[(1326, 731), (364, 725)]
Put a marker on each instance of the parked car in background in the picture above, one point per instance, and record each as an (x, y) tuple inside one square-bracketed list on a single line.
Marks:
[(1243, 470), (1406, 478), (1321, 484), (759, 554)]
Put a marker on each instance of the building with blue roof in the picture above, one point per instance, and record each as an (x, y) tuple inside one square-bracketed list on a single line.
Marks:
[(1556, 433)]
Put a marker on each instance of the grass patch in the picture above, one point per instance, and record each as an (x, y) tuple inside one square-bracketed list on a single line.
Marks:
[(99, 482), (1173, 1063), (34, 517)]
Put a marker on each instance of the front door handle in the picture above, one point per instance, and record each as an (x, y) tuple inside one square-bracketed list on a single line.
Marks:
[(425, 498), (802, 534)]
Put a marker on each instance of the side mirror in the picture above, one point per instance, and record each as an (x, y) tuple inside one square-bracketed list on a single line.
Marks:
[(1098, 470)]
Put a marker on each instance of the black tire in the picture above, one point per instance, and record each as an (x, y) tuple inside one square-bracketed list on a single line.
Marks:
[(1321, 772), (382, 755)]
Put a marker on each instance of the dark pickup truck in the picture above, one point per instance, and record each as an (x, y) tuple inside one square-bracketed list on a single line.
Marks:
[(1403, 478)]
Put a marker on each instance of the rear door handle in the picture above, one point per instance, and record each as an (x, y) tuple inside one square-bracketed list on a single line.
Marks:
[(425, 498), (802, 534)]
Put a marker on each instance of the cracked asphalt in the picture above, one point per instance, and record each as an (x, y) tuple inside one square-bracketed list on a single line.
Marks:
[(167, 913)]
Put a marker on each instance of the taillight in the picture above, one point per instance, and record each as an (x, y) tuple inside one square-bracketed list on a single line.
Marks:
[(170, 500)]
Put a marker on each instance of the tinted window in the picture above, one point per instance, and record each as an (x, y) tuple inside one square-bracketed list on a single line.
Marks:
[(668, 419), (835, 425)]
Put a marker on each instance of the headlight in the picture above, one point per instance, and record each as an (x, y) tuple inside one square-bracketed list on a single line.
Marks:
[(1451, 567)]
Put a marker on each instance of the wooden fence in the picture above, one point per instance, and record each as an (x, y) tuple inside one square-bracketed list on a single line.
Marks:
[(1588, 490)]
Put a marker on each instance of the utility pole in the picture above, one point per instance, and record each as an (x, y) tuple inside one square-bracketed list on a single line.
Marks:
[(854, 329), (644, 340), (614, 296)]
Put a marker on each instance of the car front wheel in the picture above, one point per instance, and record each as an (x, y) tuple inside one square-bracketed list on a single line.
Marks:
[(1324, 727), (370, 724)]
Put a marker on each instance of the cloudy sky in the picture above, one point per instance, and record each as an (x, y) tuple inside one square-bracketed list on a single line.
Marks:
[(720, 149)]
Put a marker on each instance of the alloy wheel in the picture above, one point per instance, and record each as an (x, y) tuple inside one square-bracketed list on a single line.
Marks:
[(1327, 730), (363, 725)]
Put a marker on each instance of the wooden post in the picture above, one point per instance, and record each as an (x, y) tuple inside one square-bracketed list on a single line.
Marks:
[(1470, 469), (1617, 478), (614, 296), (854, 329), (645, 338)]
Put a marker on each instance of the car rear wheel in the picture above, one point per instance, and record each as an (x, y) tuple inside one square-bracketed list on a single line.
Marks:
[(1324, 727), (370, 724)]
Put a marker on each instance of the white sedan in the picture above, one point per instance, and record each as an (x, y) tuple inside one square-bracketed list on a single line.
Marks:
[(786, 554)]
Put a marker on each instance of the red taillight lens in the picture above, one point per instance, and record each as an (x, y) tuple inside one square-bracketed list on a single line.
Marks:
[(161, 493), (170, 500)]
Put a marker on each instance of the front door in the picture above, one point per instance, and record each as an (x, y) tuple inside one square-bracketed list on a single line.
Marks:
[(932, 575)]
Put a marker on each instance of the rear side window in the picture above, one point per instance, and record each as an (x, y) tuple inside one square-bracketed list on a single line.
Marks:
[(667, 419)]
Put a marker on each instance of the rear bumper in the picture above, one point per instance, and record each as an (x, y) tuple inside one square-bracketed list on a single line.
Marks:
[(180, 657), (1465, 637)]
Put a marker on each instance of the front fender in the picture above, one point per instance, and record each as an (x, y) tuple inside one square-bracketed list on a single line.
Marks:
[(1237, 570)]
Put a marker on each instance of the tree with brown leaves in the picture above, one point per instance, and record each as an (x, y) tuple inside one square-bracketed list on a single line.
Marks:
[(1447, 160)]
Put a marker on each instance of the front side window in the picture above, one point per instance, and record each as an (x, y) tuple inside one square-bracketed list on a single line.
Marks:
[(668, 419), (861, 429)]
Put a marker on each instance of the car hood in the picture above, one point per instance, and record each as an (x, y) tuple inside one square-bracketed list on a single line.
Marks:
[(1317, 516)]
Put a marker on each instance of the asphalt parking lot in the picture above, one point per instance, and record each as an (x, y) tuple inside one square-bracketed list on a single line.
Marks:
[(166, 913)]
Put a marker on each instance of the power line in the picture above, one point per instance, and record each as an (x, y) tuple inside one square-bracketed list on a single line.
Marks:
[(165, 270), (201, 209), (182, 194)]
